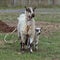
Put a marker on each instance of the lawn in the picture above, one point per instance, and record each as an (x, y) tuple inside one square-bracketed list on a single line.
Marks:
[(18, 7), (48, 17), (39, 17), (49, 46)]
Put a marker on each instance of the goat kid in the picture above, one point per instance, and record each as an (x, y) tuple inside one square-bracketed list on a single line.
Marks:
[(36, 38)]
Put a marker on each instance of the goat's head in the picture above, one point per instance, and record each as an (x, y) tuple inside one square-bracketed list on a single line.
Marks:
[(30, 12), (38, 30)]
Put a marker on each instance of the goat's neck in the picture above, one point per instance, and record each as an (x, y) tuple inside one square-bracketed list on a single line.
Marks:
[(27, 17)]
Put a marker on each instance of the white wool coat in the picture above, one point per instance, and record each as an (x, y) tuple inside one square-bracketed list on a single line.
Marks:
[(21, 27)]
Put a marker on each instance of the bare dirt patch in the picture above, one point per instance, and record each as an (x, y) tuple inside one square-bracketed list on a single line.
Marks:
[(5, 28), (47, 27)]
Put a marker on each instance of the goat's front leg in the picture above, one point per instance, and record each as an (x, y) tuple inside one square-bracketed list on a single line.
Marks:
[(36, 43), (22, 43), (31, 44)]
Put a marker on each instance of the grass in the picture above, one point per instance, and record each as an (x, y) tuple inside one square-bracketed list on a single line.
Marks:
[(11, 7), (39, 17), (49, 48), (48, 6), (19, 7), (9, 16), (48, 17)]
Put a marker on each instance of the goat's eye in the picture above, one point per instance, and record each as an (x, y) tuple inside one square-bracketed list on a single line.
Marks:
[(28, 10), (33, 10), (36, 30)]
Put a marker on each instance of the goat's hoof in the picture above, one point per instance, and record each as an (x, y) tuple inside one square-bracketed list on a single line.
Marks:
[(31, 51), (36, 48), (22, 52)]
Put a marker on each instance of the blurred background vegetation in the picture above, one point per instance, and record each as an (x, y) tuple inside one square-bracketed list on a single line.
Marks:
[(22, 3)]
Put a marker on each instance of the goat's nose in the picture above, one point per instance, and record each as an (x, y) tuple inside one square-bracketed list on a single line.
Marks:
[(33, 15)]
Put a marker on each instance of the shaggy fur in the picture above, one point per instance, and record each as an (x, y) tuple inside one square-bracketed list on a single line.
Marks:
[(36, 38), (26, 26)]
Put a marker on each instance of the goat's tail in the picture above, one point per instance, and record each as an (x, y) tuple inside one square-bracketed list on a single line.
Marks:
[(7, 35)]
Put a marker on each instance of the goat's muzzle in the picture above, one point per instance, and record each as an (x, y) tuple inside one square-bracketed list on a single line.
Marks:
[(33, 15)]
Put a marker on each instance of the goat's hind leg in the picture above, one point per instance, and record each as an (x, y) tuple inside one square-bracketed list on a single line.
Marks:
[(31, 45)]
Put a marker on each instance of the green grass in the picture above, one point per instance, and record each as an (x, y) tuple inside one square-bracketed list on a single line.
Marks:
[(39, 17), (49, 48), (9, 16), (11, 7), (48, 17), (4, 6), (48, 6)]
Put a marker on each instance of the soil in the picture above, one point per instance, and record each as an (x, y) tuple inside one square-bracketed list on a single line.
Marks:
[(5, 28), (46, 26)]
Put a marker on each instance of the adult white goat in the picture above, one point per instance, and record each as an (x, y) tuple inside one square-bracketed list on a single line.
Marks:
[(26, 28)]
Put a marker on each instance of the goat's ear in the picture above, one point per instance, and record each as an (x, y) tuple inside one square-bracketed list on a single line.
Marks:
[(34, 8), (26, 8)]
